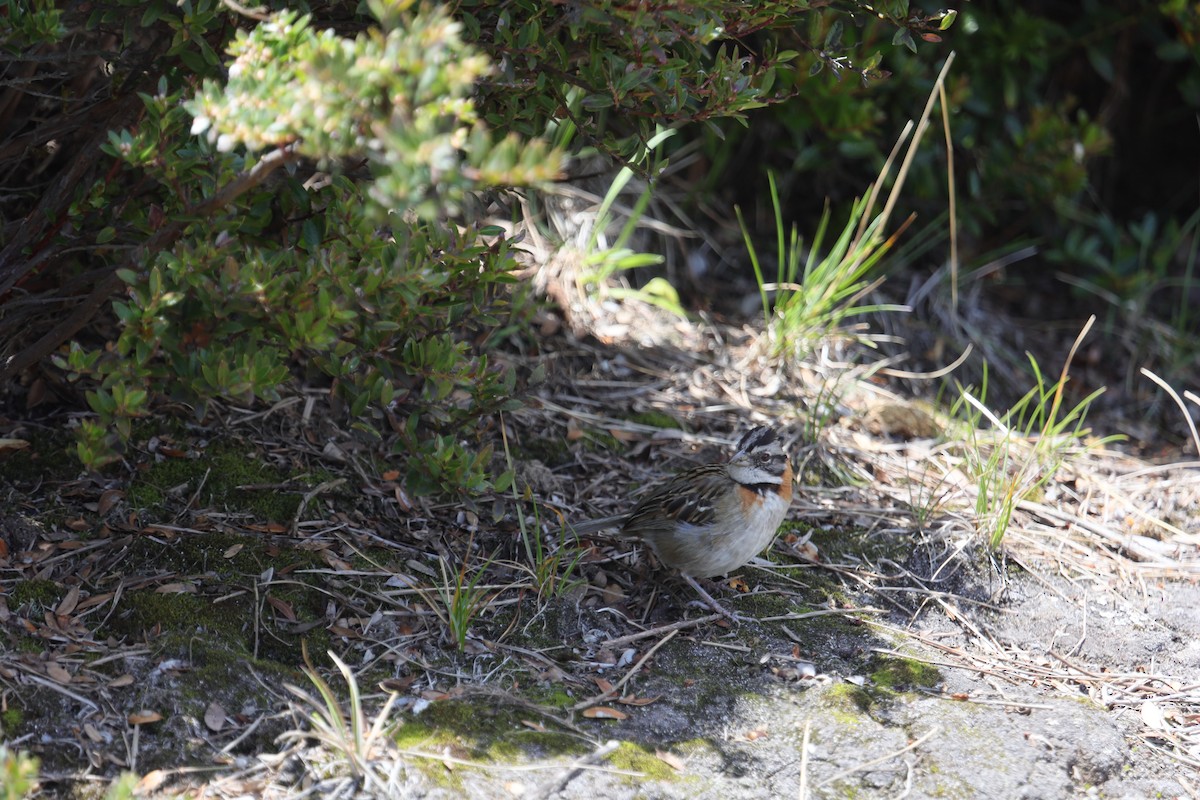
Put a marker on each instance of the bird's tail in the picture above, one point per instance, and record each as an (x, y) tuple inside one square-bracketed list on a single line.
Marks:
[(596, 525)]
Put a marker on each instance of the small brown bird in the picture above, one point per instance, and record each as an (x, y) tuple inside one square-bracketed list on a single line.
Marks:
[(712, 519)]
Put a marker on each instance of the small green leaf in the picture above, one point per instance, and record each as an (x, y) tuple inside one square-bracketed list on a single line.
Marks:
[(904, 37), (833, 40)]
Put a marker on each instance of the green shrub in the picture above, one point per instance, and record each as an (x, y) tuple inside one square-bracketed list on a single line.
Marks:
[(364, 284), (1041, 97), (614, 73), (18, 774), (304, 207)]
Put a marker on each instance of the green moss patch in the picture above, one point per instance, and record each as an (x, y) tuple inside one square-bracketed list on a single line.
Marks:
[(656, 419), (631, 757), (216, 477), (480, 731), (49, 457), (846, 698), (896, 673), (221, 603), (37, 595), (10, 722)]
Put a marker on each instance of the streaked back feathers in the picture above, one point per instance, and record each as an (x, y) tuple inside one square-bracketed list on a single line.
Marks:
[(705, 495)]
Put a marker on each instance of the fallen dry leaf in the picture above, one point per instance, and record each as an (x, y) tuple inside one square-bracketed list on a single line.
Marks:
[(270, 527), (233, 550), (283, 607), (58, 672), (630, 700), (144, 717), (402, 684), (118, 682), (333, 561), (13, 444), (604, 712), (68, 603), (214, 717), (623, 435), (808, 550), (37, 393), (108, 499), (151, 781), (670, 759), (179, 587), (1154, 717), (402, 498), (94, 600)]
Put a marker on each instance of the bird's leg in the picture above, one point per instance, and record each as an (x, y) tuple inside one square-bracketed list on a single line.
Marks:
[(711, 601)]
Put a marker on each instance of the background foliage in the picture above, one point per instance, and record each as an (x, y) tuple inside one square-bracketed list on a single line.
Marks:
[(293, 208), (1074, 129), (201, 203)]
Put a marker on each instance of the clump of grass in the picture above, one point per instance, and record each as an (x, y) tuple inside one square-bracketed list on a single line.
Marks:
[(816, 300), (1025, 446), (603, 260), (346, 733), (815, 294), (553, 570), (459, 599), (19, 778)]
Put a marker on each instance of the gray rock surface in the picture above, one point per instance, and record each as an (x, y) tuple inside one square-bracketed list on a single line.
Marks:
[(738, 730)]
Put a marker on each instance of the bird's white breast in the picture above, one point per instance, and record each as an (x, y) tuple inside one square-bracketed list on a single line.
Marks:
[(741, 536)]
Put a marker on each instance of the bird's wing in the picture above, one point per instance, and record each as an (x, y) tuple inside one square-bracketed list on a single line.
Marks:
[(689, 497)]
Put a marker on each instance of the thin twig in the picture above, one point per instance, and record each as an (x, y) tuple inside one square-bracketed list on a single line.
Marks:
[(868, 764), (307, 498), (251, 728), (615, 690), (674, 626), (1166, 387), (804, 750), (49, 684), (984, 701), (559, 782)]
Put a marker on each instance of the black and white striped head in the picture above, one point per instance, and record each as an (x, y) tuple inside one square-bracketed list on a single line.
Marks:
[(759, 459)]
